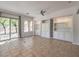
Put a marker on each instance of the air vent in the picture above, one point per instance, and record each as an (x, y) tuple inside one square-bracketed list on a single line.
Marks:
[(44, 21)]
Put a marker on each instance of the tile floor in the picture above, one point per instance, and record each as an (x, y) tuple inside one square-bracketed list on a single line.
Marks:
[(38, 47)]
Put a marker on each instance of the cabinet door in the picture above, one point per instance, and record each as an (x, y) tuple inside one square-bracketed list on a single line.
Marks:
[(68, 36), (59, 35)]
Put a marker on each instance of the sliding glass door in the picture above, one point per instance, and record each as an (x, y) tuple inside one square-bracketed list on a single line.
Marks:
[(8, 28), (4, 28), (14, 28)]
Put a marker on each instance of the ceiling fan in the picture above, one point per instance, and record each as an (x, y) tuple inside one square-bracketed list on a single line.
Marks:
[(42, 12)]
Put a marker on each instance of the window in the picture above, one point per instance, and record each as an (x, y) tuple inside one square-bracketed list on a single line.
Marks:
[(26, 26), (31, 25)]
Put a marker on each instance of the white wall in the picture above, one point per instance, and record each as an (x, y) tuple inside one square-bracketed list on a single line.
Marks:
[(23, 19), (76, 29)]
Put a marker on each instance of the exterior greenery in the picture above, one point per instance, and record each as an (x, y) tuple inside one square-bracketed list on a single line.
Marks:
[(4, 22)]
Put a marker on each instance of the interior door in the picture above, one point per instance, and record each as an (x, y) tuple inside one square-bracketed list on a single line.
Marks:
[(45, 29)]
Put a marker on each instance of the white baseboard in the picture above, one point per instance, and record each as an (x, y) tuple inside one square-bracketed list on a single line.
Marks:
[(75, 43)]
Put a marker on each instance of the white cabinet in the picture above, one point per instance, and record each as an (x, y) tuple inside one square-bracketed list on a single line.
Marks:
[(68, 36), (58, 35), (64, 28)]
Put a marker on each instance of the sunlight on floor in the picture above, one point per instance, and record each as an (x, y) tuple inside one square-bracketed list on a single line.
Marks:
[(2, 43)]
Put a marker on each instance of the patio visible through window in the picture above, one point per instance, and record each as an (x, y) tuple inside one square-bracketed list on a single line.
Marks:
[(4, 28), (8, 28)]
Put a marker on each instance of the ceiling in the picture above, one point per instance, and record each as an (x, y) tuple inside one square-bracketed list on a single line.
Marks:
[(34, 7)]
